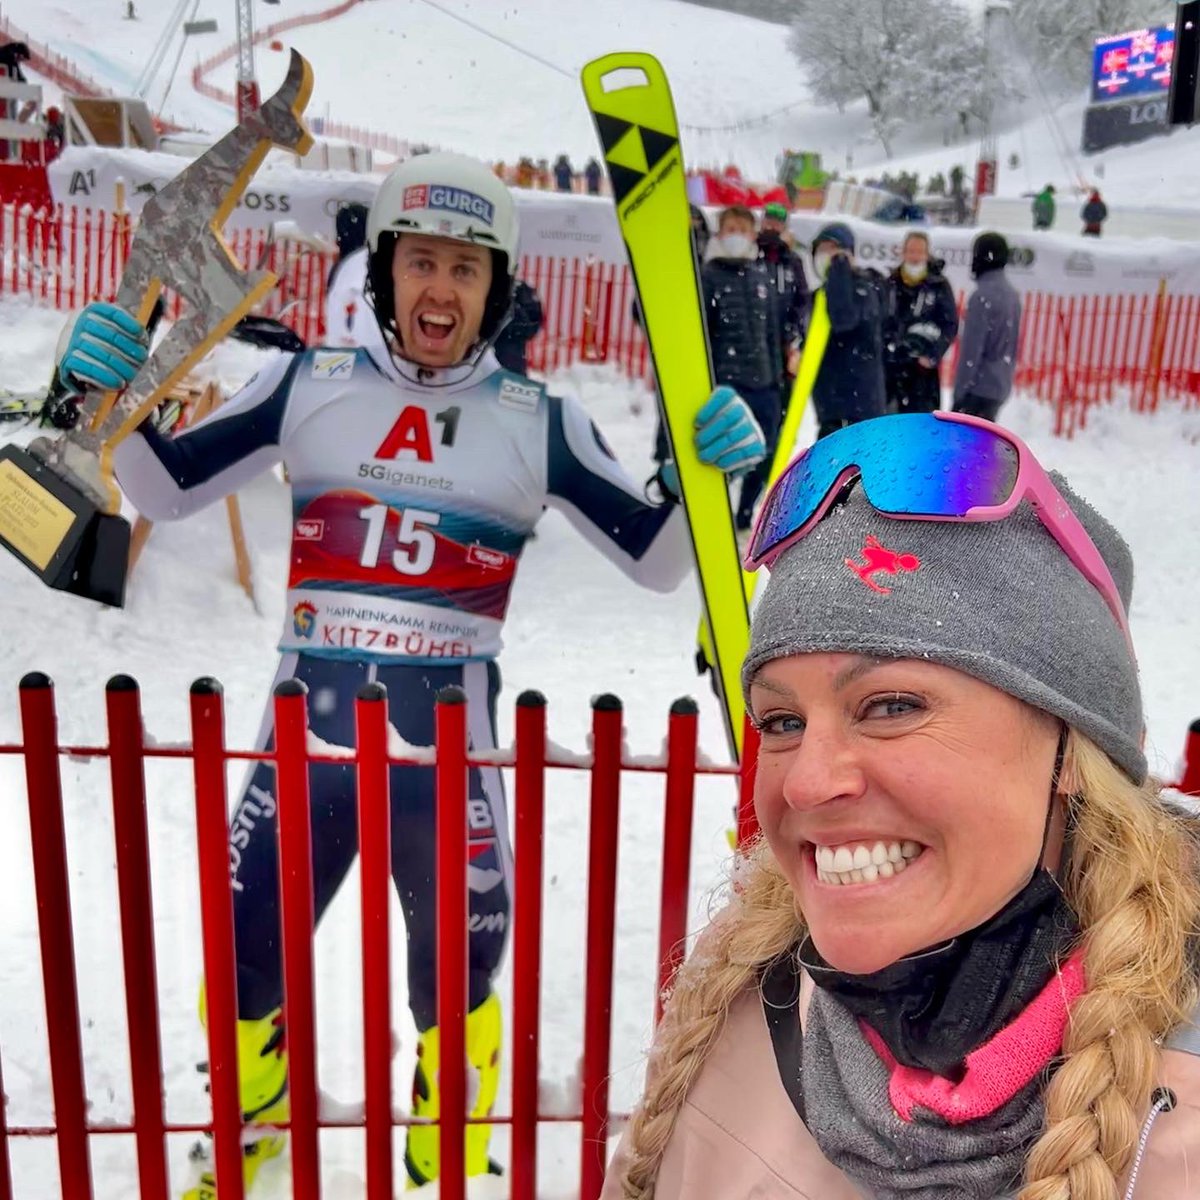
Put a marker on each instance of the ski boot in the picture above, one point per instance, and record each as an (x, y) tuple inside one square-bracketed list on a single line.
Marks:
[(262, 1079), (421, 1155)]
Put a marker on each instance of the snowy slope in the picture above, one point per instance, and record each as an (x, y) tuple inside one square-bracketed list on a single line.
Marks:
[(186, 618)]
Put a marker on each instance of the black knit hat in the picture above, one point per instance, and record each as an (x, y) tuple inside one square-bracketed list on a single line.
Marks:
[(989, 252), (838, 233)]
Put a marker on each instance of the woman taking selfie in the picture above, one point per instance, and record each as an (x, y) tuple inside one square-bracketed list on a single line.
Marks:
[(961, 963)]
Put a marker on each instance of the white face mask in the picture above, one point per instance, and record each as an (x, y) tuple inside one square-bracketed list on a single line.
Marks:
[(738, 245), (914, 272), (821, 261)]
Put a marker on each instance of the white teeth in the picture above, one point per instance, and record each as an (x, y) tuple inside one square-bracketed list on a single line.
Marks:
[(861, 864), (437, 319)]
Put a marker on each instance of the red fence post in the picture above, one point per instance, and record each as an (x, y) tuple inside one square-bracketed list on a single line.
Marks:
[(375, 845), (603, 825), (125, 745), (216, 910), (296, 931), (39, 730), (747, 819), (450, 723), (529, 821), (6, 1188), (682, 735), (1189, 784)]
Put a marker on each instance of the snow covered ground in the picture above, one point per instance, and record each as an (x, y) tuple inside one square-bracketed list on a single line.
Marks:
[(186, 618)]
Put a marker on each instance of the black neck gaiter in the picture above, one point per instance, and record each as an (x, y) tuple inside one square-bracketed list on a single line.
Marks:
[(932, 1009)]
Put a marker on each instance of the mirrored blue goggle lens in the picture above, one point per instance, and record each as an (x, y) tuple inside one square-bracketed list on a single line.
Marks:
[(916, 465)]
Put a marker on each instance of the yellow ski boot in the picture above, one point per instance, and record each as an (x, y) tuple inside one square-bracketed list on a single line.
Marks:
[(421, 1156), (262, 1078)]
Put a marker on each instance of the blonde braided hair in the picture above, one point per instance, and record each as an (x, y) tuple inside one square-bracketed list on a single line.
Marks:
[(1132, 877)]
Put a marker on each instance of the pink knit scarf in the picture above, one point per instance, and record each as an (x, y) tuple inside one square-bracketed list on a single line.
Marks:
[(997, 1070)]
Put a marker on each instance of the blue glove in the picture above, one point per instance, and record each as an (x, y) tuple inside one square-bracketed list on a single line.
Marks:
[(727, 435), (668, 478), (105, 350)]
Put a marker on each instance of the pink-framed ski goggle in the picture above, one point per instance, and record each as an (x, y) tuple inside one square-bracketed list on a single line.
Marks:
[(938, 466)]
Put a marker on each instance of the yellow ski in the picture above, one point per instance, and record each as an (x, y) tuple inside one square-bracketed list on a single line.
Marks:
[(631, 105)]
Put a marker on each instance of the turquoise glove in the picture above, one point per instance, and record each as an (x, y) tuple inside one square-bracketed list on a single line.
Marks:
[(727, 435), (106, 349)]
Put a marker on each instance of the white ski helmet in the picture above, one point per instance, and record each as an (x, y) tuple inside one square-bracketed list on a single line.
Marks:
[(447, 196)]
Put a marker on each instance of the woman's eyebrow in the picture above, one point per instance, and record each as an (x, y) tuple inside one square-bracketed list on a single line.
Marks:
[(856, 671)]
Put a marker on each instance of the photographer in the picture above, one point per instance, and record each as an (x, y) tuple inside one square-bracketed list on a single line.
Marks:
[(921, 325)]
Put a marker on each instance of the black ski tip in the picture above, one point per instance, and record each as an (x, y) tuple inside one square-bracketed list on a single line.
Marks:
[(607, 702), (206, 685), (35, 681), (291, 687), (531, 698), (685, 706), (121, 683), (372, 692), (451, 695)]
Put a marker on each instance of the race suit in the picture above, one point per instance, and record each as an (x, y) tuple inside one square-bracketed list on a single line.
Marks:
[(414, 491)]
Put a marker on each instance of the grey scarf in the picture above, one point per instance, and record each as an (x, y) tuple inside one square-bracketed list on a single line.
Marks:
[(850, 1115)]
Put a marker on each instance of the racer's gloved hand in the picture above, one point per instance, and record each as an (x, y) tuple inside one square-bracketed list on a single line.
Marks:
[(105, 349), (727, 434)]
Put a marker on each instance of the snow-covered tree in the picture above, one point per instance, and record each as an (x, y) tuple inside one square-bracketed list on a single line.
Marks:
[(1059, 34), (908, 59)]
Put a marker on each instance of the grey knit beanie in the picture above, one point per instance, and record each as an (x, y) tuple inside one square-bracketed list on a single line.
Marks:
[(998, 600)]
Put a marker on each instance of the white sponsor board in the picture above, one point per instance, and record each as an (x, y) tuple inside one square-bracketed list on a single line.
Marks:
[(569, 226)]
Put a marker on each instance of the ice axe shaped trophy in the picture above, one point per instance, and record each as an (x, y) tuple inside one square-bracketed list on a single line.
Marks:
[(59, 506)]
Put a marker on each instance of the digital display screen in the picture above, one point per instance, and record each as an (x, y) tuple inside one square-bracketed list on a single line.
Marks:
[(1133, 64)]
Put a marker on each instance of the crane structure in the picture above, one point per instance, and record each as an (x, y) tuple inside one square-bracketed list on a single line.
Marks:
[(247, 85)]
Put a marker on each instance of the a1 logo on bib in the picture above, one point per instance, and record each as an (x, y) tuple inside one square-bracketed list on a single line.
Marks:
[(333, 364)]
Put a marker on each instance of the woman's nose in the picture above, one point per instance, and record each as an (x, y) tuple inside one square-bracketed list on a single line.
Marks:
[(826, 766)]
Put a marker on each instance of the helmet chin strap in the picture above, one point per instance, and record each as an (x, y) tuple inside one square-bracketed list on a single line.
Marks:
[(431, 376)]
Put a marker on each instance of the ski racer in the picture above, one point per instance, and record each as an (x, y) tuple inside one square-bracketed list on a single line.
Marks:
[(418, 471)]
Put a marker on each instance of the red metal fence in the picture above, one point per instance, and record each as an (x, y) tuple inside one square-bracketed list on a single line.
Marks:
[(1075, 351), (127, 753), (69, 257)]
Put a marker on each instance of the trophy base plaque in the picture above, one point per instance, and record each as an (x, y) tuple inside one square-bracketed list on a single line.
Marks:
[(59, 533)]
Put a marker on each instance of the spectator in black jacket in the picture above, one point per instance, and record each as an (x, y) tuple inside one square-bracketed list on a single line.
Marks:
[(523, 326), (744, 334), (850, 383), (921, 325), (775, 250), (592, 173), (12, 55)]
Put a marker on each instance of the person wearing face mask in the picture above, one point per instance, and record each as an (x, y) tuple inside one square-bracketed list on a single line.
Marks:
[(987, 354), (962, 961), (922, 323), (850, 384), (776, 251), (745, 335)]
